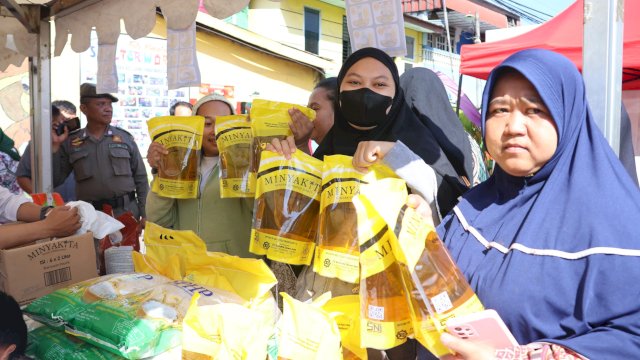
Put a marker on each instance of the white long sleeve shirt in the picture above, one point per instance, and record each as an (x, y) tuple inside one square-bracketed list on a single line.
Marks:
[(9, 204)]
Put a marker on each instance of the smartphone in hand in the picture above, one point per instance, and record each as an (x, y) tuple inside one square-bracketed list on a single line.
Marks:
[(485, 327), (71, 124)]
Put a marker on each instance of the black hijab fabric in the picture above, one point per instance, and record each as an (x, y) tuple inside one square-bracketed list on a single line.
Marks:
[(400, 124), (426, 96)]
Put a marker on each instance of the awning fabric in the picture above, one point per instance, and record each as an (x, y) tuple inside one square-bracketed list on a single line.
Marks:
[(563, 34), (139, 17)]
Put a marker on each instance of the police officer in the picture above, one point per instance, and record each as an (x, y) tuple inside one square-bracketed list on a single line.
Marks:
[(106, 160)]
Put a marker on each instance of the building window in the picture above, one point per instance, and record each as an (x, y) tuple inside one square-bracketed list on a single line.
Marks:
[(311, 30), (346, 40), (437, 41), (411, 42)]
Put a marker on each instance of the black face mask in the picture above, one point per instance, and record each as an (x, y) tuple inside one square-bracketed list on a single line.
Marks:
[(364, 107)]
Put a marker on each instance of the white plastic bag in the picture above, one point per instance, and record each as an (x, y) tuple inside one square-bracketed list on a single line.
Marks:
[(99, 223)]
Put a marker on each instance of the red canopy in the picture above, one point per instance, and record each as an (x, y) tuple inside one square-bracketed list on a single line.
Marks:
[(563, 34)]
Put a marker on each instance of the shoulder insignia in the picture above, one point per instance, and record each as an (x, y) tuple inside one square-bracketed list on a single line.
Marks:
[(116, 139), (75, 142)]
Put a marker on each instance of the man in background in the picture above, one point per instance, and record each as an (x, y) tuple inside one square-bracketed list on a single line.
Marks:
[(105, 159), (181, 108), (61, 111)]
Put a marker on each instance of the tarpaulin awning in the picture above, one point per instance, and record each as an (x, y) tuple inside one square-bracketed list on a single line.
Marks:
[(562, 34)]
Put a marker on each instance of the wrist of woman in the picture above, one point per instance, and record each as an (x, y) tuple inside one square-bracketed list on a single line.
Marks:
[(45, 211)]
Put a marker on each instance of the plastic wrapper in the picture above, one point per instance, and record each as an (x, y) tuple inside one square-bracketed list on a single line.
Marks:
[(436, 289), (178, 170), (234, 138), (166, 246), (285, 216), (346, 312), (337, 252), (146, 323), (47, 343), (224, 331), (269, 120), (384, 307), (307, 331), (61, 306)]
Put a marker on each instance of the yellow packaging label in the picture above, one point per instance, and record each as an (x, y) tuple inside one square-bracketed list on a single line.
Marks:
[(413, 230), (384, 305), (337, 264), (384, 334), (281, 249), (286, 207), (429, 329), (178, 170), (300, 174), (234, 138), (337, 250), (376, 254)]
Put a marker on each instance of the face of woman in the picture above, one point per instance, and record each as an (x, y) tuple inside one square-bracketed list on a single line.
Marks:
[(369, 73), (320, 102), (210, 110), (520, 134), (362, 110)]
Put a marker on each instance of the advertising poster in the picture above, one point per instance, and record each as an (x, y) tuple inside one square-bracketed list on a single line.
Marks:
[(142, 84)]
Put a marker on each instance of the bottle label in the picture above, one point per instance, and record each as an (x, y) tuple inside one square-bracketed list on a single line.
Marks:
[(281, 249)]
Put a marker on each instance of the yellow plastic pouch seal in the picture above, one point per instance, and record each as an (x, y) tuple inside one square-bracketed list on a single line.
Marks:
[(337, 252), (384, 308), (285, 217), (307, 331), (223, 331), (346, 312), (163, 244), (269, 120), (234, 137), (178, 172)]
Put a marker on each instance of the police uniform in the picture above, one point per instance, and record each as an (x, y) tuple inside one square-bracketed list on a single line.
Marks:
[(109, 170)]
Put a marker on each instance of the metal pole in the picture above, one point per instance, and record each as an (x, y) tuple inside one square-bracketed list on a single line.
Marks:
[(459, 95), (446, 26), (40, 91), (602, 69), (477, 39)]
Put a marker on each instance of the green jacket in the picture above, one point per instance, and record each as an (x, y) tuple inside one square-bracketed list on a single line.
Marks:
[(223, 224)]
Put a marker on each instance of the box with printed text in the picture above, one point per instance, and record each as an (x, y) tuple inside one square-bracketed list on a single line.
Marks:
[(30, 271)]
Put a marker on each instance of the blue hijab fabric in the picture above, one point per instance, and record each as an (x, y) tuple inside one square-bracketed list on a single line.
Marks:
[(572, 274)]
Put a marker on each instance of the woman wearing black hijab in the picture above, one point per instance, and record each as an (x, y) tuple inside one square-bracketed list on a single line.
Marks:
[(371, 106)]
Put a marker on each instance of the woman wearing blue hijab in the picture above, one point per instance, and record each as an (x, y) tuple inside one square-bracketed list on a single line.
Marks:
[(551, 239)]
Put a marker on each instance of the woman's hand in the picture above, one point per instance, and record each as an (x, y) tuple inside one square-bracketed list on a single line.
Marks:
[(370, 152), (62, 221), (284, 147), (301, 126), (466, 349), (155, 153), (421, 206)]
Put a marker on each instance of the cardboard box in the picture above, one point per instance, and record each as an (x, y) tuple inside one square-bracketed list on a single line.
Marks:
[(31, 271)]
